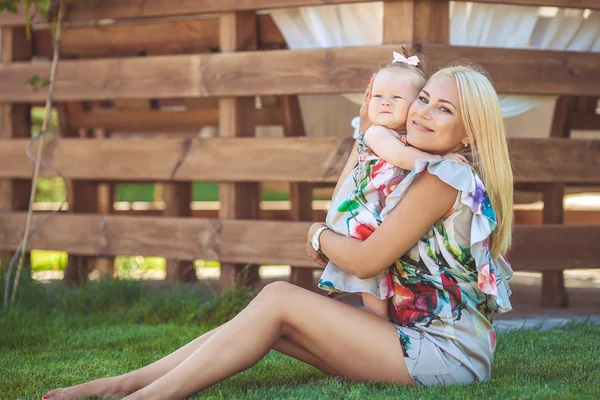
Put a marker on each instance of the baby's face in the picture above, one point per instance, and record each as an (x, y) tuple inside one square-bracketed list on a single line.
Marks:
[(393, 92)]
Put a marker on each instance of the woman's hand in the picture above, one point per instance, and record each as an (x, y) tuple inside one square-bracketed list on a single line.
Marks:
[(365, 122), (315, 256)]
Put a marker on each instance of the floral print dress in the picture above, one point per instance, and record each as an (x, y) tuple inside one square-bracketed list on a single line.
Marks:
[(447, 288), (358, 208)]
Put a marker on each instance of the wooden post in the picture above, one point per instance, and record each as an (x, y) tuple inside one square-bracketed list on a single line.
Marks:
[(237, 32), (554, 293), (84, 196), (105, 265), (177, 197), (15, 122), (425, 21), (301, 195)]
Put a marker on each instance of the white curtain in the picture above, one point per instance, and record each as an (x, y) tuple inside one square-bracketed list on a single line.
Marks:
[(471, 24)]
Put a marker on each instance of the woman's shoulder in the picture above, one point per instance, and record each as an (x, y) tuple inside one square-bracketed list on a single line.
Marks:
[(457, 174), (463, 177)]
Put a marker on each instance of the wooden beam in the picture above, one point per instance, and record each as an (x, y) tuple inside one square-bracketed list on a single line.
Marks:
[(148, 121), (106, 197), (83, 197), (554, 293), (585, 122), (301, 194), (159, 121), (178, 197), (536, 248), (426, 21), (592, 4), (149, 37), (316, 160), (283, 72), (120, 9), (237, 32), (555, 247), (15, 119), (233, 241), (15, 122)]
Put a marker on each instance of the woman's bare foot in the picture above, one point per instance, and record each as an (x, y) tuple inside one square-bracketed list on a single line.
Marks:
[(106, 387)]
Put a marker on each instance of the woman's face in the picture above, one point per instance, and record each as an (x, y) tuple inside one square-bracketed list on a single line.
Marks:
[(434, 122)]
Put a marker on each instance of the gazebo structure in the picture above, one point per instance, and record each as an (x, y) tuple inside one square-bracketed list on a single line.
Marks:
[(139, 83)]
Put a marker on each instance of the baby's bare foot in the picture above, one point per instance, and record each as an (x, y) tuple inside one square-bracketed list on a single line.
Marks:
[(105, 387)]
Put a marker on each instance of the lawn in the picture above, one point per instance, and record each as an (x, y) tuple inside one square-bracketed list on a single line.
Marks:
[(58, 337)]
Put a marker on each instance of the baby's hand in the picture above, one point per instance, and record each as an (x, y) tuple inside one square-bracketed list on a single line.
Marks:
[(455, 157)]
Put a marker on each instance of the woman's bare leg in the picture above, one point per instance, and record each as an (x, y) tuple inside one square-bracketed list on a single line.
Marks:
[(338, 333), (375, 306), (125, 384)]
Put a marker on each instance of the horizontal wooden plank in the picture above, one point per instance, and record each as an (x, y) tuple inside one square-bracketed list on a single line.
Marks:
[(555, 247), (146, 121), (147, 38), (281, 211), (585, 122), (135, 78), (240, 159), (520, 71), (571, 217), (154, 121), (536, 248), (177, 238), (555, 160), (267, 159), (131, 9), (591, 4), (282, 72)]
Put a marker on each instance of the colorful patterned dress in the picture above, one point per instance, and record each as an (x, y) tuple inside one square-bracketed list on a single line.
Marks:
[(360, 205), (447, 288)]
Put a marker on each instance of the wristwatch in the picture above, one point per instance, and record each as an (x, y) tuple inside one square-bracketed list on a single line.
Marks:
[(316, 244)]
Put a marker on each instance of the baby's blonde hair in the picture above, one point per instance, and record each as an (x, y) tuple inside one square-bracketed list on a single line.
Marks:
[(418, 70), (485, 131)]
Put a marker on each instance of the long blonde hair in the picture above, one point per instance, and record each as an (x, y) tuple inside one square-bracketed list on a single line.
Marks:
[(485, 131)]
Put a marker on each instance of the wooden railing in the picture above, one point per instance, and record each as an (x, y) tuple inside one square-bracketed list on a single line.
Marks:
[(126, 75)]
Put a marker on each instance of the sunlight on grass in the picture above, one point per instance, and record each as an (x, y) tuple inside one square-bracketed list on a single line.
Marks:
[(48, 260)]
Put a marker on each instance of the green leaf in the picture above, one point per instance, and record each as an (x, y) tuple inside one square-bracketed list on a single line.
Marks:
[(10, 6), (34, 80)]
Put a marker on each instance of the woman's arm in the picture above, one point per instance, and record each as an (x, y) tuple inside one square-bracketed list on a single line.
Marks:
[(425, 202), (350, 164), (388, 147)]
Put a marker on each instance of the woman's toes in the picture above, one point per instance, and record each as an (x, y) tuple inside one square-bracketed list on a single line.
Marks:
[(51, 395)]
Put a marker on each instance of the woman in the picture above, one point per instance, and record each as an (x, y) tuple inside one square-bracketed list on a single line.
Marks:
[(440, 245)]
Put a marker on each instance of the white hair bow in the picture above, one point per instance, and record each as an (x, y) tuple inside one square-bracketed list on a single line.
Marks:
[(399, 58)]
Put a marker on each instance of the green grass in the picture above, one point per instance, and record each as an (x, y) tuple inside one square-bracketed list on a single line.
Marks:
[(201, 191), (57, 337), (50, 260)]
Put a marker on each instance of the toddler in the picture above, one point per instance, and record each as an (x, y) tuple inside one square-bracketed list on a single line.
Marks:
[(360, 202)]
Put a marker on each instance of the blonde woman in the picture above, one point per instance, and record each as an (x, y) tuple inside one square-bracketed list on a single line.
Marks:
[(443, 245)]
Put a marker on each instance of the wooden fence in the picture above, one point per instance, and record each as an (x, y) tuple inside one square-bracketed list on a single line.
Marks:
[(171, 68)]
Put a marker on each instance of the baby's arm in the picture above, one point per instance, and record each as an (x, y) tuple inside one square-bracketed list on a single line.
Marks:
[(387, 146)]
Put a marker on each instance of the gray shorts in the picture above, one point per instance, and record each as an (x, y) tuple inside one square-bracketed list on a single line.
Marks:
[(428, 364)]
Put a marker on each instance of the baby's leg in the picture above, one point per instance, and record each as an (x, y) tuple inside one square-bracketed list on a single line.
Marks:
[(375, 306)]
